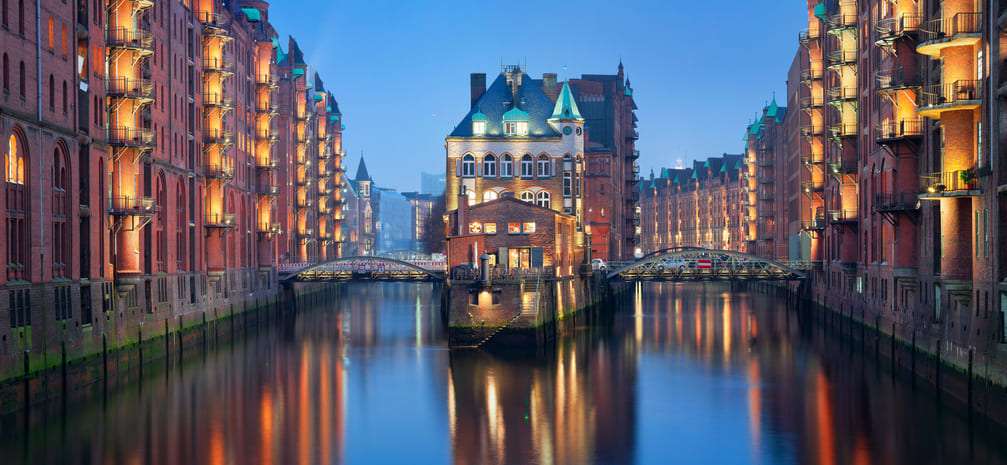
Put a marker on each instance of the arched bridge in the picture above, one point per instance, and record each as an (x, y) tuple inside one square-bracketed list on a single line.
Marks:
[(362, 269), (699, 264)]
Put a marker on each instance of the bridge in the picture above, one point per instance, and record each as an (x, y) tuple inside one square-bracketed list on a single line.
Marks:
[(683, 264), (367, 268)]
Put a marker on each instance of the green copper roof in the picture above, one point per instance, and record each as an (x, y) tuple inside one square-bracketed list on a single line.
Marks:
[(566, 106), (479, 116), (772, 109), (252, 14), (299, 71), (820, 11), (515, 114)]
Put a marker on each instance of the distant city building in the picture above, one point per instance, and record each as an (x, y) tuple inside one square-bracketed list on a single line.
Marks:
[(420, 207), (432, 184), (394, 225), (367, 204)]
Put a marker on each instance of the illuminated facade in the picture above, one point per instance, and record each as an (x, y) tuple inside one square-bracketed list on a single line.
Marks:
[(144, 176)]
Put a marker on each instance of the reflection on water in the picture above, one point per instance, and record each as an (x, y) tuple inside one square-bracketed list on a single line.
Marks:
[(677, 374)]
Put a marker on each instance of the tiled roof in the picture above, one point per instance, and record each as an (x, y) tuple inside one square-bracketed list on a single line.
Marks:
[(498, 100)]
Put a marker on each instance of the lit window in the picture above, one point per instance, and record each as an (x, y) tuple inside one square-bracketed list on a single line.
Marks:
[(490, 195), (516, 128), (490, 166), (567, 184), (513, 228), (475, 228), (468, 166), (490, 228), (528, 197), (479, 128), (544, 166), (529, 228), (506, 166), (526, 166), (543, 199)]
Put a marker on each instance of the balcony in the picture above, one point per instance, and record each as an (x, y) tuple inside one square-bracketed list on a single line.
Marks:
[(949, 184), (131, 138), (889, 30), (843, 167), (265, 80), (325, 154), (217, 137), (959, 95), (266, 165), (896, 203), (764, 162), (305, 203), (214, 24), (898, 131), (269, 191), (217, 65), (812, 187), (267, 135), (130, 88), (815, 224), (220, 221), (812, 130), (813, 73), (267, 109), (839, 131), (841, 21), (132, 206), (217, 100), (634, 154), (270, 229), (841, 217), (962, 29), (807, 36), (809, 103), (812, 159), (841, 94), (137, 40), (842, 58), (223, 172)]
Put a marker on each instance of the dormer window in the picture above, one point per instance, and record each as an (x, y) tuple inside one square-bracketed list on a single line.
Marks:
[(515, 122), (479, 124)]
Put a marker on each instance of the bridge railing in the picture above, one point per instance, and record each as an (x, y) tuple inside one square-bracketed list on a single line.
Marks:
[(501, 274)]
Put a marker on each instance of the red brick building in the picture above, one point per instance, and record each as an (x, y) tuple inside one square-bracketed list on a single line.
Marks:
[(143, 180)]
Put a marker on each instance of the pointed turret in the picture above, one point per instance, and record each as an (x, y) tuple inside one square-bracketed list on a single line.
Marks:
[(566, 107), (362, 174)]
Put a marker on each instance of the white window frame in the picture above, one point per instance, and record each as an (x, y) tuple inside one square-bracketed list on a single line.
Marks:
[(489, 166), (527, 166), (468, 166), (543, 199)]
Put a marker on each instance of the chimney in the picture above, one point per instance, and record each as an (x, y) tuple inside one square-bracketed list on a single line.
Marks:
[(477, 86), (463, 206), (549, 85)]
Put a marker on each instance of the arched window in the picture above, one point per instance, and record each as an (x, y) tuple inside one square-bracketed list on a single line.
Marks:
[(526, 166), (60, 214), (490, 195), (544, 166), (506, 166), (6, 70), (543, 199), (181, 245), (17, 209), (490, 166), (160, 237), (528, 197), (468, 166), (52, 33)]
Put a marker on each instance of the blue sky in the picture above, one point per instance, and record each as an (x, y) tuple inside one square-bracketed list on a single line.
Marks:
[(400, 68)]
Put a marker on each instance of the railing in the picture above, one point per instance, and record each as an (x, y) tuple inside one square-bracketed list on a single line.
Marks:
[(812, 102), (130, 137), (217, 99), (947, 28), (956, 93), (270, 108), (842, 216), (950, 183), (264, 79), (129, 38), (211, 19), (305, 203), (842, 93), (501, 274), (842, 57), (806, 36), (267, 134), (889, 29), (810, 159), (841, 20), (812, 130), (843, 167), (812, 186), (132, 206), (896, 78), (266, 164), (217, 136), (133, 88), (844, 130), (815, 224), (271, 229), (216, 64), (220, 220), (220, 171), (897, 130), (812, 72), (896, 202), (764, 162), (270, 191)]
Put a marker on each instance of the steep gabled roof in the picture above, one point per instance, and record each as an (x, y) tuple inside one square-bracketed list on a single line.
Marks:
[(498, 100), (362, 174), (566, 106)]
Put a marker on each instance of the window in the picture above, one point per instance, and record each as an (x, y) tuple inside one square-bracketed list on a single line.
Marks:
[(516, 128), (468, 166), (60, 214), (528, 197), (52, 93), (180, 227), (52, 34), (17, 210), (506, 166), (4, 6), (22, 83), (475, 228), (20, 17), (544, 166), (513, 228), (160, 223), (490, 228), (6, 72), (526, 166), (479, 128), (529, 227), (490, 195), (64, 97), (543, 199), (489, 166), (567, 185)]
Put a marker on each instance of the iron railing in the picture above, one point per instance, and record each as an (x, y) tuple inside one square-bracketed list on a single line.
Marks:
[(130, 137), (132, 206), (890, 29), (896, 78), (220, 171), (842, 57), (844, 130), (220, 220), (137, 39), (131, 88), (815, 224), (961, 92), (890, 131), (947, 28), (217, 137), (884, 203), (217, 99), (842, 93), (842, 216), (950, 183), (216, 64)]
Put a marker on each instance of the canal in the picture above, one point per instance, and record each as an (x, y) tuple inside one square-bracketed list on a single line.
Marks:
[(675, 374)]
